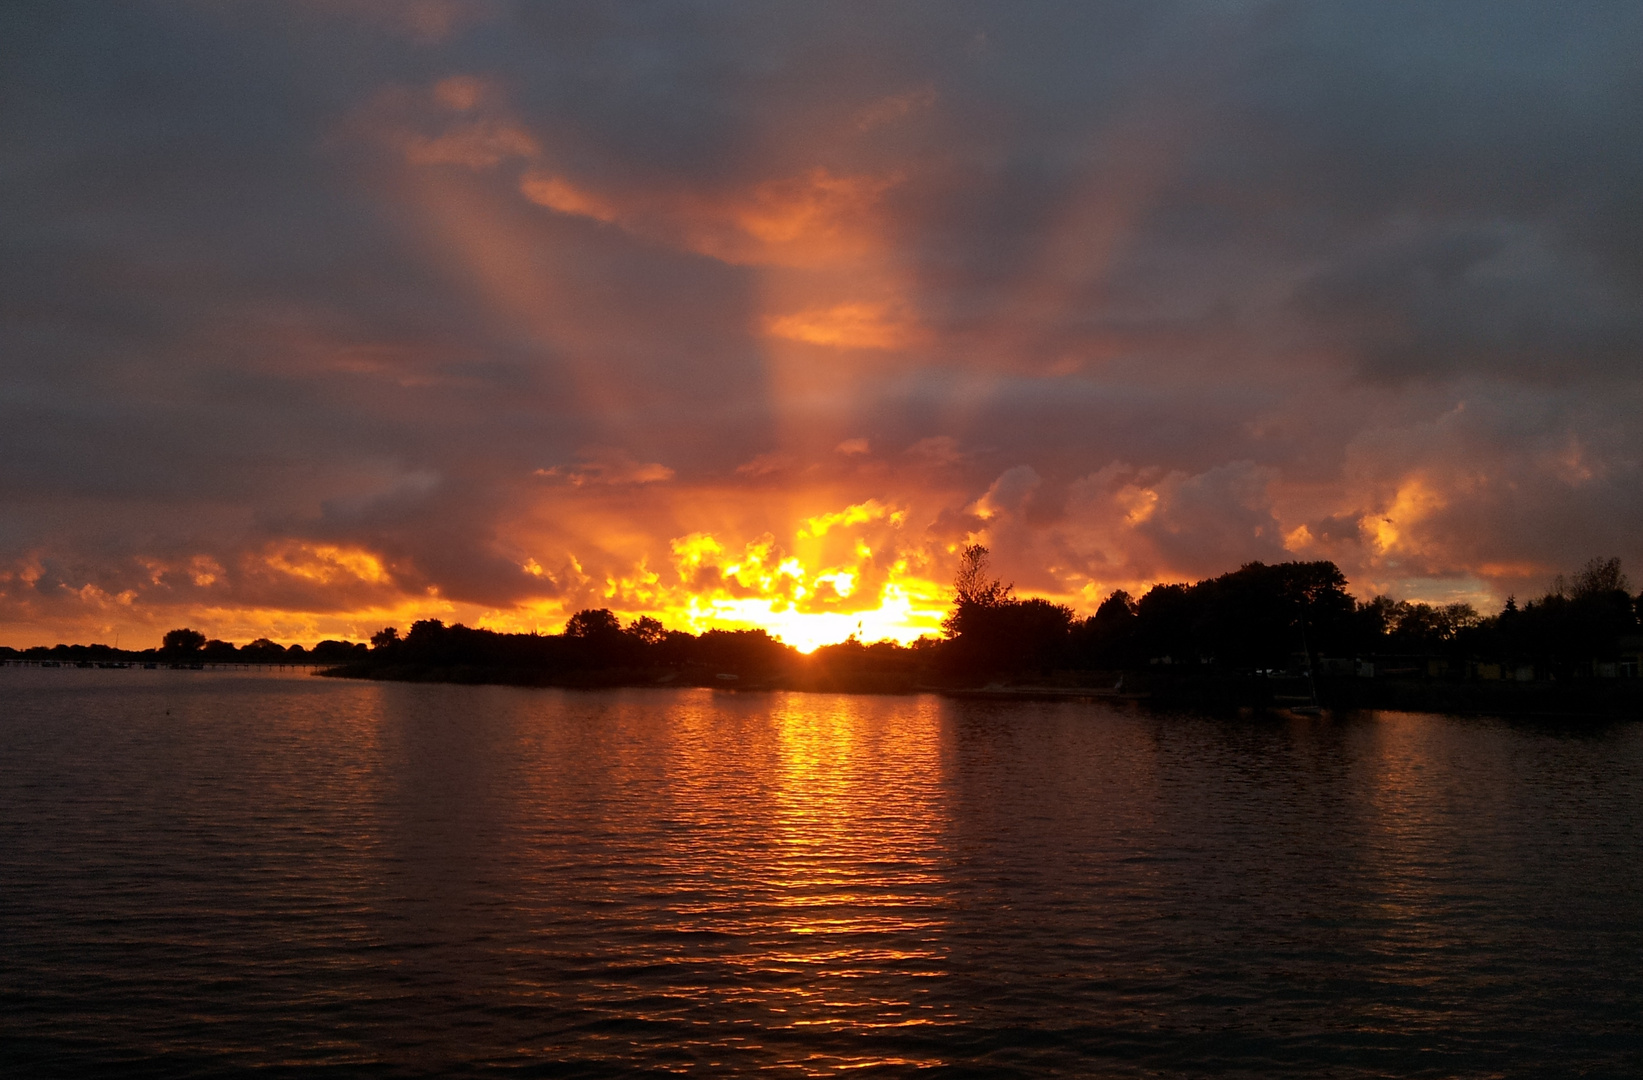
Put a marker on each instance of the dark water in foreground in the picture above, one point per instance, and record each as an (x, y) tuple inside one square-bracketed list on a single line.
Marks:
[(208, 873)]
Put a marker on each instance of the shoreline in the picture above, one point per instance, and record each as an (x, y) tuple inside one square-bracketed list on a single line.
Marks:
[(1218, 692), (1583, 698)]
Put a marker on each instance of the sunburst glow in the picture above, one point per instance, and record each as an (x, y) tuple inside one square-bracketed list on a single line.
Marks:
[(499, 316)]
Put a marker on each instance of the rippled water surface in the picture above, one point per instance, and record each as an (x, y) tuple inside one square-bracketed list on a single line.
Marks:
[(209, 873)]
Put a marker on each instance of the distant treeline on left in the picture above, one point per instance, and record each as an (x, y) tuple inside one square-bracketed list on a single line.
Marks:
[(185, 645)]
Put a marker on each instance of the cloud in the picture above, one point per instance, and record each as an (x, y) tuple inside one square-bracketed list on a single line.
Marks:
[(937, 451), (1008, 494), (557, 193), (478, 145), (855, 325), (766, 465), (895, 107), (815, 218), (1465, 299), (871, 510), (319, 317), (601, 466)]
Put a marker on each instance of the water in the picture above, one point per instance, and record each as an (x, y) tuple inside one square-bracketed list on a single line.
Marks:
[(208, 873)]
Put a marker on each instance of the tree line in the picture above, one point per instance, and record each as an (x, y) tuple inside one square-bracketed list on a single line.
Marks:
[(1257, 619), (186, 645), (1270, 617)]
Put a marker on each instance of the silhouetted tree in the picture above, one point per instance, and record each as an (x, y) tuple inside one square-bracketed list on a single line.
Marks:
[(427, 642), (384, 638), (1596, 578), (593, 623), (1375, 618), (974, 594), (1028, 634), (647, 630), (1107, 638), (596, 639), (1165, 615), (1120, 607), (991, 632), (971, 584), (182, 642), (332, 651), (1255, 617), (263, 651), (747, 653), (220, 651), (1581, 619)]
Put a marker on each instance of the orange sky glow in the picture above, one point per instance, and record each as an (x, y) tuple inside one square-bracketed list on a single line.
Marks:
[(759, 324)]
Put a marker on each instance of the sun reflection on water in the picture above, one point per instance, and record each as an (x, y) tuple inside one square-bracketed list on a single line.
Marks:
[(228, 872), (803, 875)]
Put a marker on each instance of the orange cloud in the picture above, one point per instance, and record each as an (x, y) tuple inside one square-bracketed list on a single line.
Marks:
[(843, 573), (557, 193), (848, 325), (326, 564), (871, 510), (762, 586), (479, 145), (459, 120), (608, 467), (814, 218), (1394, 530)]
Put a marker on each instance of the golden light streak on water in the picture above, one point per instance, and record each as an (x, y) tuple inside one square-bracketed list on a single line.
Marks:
[(212, 873)]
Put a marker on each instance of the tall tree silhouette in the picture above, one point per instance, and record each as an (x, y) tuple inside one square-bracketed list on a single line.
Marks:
[(991, 632)]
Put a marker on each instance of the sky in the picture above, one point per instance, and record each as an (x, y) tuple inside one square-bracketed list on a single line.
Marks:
[(318, 317)]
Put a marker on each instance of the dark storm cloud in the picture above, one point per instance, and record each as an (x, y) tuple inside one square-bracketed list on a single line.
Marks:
[(503, 296), (1476, 299)]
